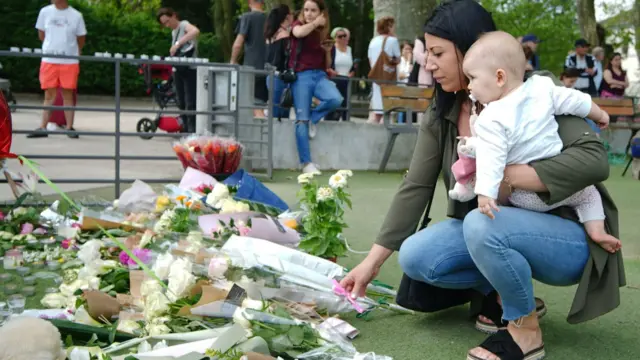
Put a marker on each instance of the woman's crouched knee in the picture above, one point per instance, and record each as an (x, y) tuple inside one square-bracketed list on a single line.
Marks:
[(418, 263), (478, 229)]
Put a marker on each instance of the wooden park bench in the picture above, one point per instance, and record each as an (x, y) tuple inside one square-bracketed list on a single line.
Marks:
[(407, 99), (618, 109)]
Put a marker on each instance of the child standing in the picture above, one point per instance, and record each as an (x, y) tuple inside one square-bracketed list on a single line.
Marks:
[(517, 126)]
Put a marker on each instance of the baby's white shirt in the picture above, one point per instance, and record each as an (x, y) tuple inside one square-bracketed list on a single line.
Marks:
[(521, 128)]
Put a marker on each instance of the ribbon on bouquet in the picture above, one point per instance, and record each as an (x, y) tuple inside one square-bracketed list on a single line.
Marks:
[(340, 291)]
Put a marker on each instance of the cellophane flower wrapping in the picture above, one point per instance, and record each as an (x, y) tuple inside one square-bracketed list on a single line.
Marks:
[(209, 154)]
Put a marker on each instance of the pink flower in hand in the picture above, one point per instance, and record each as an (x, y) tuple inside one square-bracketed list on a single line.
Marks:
[(27, 228)]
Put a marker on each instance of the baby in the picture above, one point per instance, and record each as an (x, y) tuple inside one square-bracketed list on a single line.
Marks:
[(517, 126)]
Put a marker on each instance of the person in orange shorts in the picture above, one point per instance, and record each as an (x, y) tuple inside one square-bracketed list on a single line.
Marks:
[(62, 30)]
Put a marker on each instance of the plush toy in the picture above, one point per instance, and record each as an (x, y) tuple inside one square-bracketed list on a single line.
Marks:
[(464, 169), (30, 338)]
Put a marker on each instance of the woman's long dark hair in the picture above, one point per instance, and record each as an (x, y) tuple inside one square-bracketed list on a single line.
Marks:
[(461, 22), (610, 66), (274, 19)]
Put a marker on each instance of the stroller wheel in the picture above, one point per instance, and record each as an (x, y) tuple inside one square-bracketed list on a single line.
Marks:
[(146, 125)]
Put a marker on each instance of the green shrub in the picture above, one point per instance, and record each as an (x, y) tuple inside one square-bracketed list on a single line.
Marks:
[(107, 31)]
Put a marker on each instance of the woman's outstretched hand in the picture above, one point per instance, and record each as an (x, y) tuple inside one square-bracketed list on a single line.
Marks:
[(359, 277)]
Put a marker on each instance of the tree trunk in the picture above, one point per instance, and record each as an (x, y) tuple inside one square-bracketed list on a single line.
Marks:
[(636, 10), (587, 21), (223, 20), (410, 15)]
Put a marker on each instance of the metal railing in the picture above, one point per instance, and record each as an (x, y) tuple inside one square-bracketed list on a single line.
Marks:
[(233, 91)]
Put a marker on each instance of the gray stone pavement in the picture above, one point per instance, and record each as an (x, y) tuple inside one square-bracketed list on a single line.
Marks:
[(91, 145)]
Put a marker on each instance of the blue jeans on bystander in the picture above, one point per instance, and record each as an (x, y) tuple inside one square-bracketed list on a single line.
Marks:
[(310, 84), (504, 254)]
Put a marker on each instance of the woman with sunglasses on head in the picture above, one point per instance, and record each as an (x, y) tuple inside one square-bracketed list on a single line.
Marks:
[(310, 57), (342, 68), (494, 261)]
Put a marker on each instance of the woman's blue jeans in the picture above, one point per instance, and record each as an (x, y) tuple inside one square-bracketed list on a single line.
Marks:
[(310, 84), (278, 89), (504, 254)]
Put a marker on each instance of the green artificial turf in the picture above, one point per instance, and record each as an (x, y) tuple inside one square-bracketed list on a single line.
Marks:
[(449, 334)]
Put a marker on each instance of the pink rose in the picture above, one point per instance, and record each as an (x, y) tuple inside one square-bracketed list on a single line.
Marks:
[(143, 254), (27, 228), (217, 268), (244, 230), (1, 216), (67, 243)]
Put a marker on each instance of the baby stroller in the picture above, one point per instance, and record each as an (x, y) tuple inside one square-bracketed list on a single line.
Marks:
[(164, 95), (5, 87)]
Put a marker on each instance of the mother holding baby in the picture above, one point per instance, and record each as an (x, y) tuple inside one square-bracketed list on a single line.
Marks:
[(495, 260)]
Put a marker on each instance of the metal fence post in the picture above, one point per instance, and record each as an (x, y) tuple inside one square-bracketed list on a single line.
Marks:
[(347, 116), (117, 147), (272, 86)]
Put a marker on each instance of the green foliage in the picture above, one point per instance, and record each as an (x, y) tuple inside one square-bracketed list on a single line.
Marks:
[(553, 21), (109, 28), (323, 223)]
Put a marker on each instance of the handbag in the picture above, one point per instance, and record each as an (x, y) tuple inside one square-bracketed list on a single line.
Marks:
[(385, 68), (289, 77), (419, 296)]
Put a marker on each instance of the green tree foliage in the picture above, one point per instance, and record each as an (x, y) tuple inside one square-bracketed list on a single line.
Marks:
[(553, 21), (109, 29)]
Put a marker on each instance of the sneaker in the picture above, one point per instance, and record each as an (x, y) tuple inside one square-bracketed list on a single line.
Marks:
[(38, 133), (311, 168), (313, 130), (72, 133)]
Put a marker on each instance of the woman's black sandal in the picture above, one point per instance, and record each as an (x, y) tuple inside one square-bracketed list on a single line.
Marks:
[(502, 345), (492, 310)]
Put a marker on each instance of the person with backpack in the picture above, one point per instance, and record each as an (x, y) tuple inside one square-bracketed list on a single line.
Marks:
[(585, 62)]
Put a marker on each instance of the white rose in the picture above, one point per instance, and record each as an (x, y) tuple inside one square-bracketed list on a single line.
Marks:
[(181, 280), (90, 251), (79, 354), (324, 193), (87, 272), (104, 266), (227, 206), (128, 326), (147, 238), (19, 211), (94, 283), (161, 345), (5, 235), (69, 289), (218, 266), (240, 318), (149, 287), (345, 173), (155, 304), (252, 304), (54, 301), (156, 330), (116, 202), (164, 222), (242, 207), (144, 347), (219, 193), (162, 265), (337, 181)]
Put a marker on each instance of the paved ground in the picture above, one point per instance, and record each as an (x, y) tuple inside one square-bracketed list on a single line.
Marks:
[(92, 145)]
